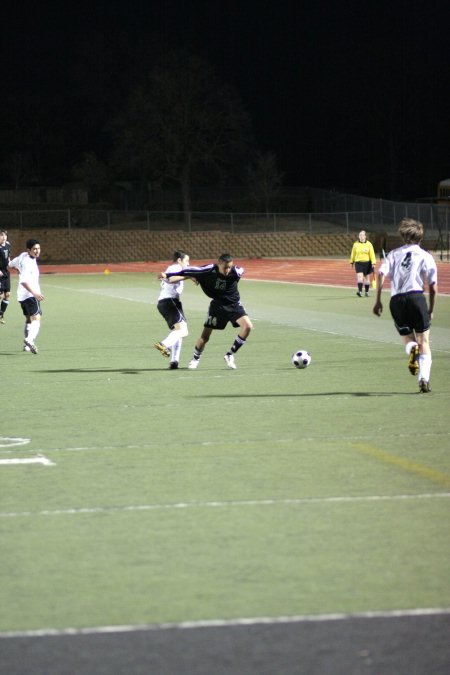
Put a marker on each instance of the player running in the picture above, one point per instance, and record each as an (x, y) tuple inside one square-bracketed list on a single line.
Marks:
[(409, 268)]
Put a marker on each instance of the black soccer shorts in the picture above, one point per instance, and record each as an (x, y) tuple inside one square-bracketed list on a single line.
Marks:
[(410, 312), (219, 315)]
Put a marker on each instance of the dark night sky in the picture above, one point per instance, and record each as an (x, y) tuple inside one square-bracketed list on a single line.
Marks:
[(348, 94)]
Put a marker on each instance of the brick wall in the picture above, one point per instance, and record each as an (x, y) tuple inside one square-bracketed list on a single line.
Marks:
[(98, 246)]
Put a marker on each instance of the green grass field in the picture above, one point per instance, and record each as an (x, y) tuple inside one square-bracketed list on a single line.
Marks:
[(216, 494)]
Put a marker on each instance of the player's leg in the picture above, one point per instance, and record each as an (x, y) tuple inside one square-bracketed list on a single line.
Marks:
[(175, 342), (31, 309), (34, 327), (4, 305), (180, 330), (425, 361), (245, 326), (412, 350), (175, 354), (366, 284), (359, 281), (172, 312), (199, 347)]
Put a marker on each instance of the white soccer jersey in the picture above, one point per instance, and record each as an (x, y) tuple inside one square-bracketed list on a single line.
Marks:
[(28, 273), (171, 290), (408, 268)]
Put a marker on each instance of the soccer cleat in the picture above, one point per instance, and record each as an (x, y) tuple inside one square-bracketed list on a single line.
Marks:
[(229, 360), (26, 348), (173, 365), (162, 349), (2, 320), (413, 362), (358, 294), (424, 387), (31, 346), (193, 364), (366, 294)]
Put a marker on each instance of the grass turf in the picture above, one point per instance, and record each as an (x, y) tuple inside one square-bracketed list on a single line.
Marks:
[(179, 495)]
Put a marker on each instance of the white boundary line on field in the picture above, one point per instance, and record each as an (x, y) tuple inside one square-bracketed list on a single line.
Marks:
[(224, 623), (12, 441), (259, 441), (39, 459), (305, 501)]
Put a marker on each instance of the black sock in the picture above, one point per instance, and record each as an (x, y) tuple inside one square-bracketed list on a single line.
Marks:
[(237, 344), (360, 287)]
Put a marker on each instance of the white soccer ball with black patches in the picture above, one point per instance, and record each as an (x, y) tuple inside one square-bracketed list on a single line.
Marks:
[(301, 358)]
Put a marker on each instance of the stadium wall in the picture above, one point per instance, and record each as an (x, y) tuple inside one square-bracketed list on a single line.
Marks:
[(94, 246), (98, 246)]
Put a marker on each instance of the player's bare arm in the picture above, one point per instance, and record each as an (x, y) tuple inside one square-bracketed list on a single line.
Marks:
[(378, 306), (433, 293)]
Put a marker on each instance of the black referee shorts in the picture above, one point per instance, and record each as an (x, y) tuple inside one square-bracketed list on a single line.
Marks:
[(364, 267)]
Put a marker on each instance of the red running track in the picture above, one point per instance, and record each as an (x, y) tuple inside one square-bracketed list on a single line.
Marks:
[(333, 272)]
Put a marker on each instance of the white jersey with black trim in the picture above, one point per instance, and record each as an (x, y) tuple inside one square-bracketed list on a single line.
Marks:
[(171, 290), (28, 272), (409, 267)]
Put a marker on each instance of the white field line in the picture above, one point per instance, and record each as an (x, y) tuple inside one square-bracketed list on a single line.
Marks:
[(10, 441), (259, 441), (225, 623), (27, 460), (306, 501)]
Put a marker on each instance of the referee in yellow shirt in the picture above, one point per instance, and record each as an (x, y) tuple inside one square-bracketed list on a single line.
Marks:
[(363, 257)]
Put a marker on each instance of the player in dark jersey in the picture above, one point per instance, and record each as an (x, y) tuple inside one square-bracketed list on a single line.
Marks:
[(5, 279), (219, 281)]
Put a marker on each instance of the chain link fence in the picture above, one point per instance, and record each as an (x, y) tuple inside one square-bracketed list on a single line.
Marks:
[(330, 213)]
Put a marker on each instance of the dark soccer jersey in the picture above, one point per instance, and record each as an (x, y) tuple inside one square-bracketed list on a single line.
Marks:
[(5, 252), (223, 289)]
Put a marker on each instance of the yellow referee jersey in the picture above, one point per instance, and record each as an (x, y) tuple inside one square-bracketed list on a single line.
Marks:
[(363, 252)]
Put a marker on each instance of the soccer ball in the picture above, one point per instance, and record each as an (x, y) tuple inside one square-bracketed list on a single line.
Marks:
[(301, 359)]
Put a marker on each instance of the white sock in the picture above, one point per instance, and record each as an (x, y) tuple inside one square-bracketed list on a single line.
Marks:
[(170, 340), (176, 351), (409, 346), (33, 330), (424, 367)]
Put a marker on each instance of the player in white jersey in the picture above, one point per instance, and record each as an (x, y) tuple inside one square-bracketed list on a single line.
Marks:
[(411, 269), (170, 307), (29, 291)]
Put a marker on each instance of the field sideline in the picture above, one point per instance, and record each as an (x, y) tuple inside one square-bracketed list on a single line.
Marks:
[(252, 522)]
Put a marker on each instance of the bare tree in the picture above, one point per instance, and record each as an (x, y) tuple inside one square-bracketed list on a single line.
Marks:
[(180, 123), (94, 174), (18, 166), (264, 179)]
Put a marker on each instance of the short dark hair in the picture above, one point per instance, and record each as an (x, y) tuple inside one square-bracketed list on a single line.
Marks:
[(3, 231), (225, 257), (32, 242), (178, 254)]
